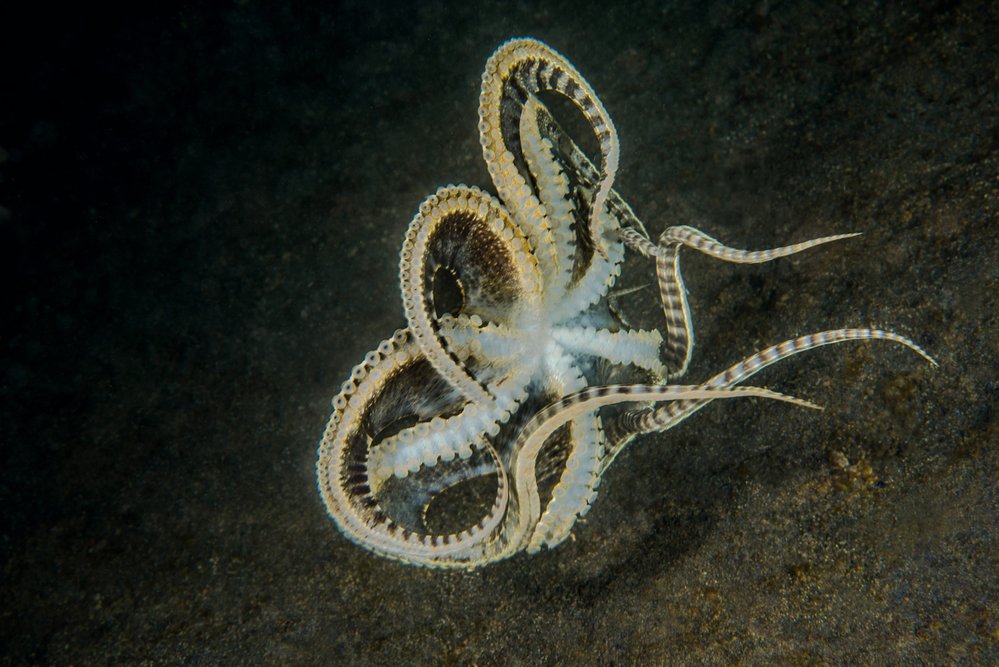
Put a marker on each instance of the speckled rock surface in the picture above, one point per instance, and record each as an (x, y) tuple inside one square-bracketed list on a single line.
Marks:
[(201, 214)]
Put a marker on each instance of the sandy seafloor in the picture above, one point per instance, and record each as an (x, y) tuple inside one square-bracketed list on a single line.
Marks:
[(201, 216)]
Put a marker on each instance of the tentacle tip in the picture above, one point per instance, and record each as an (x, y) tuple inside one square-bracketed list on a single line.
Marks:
[(776, 395), (924, 354), (838, 237), (803, 403)]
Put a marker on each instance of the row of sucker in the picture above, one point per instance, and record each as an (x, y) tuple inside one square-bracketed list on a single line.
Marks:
[(577, 487), (469, 336), (636, 347), (354, 505), (490, 219), (538, 67), (553, 189)]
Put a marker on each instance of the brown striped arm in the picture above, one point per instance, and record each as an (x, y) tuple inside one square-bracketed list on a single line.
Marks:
[(679, 340), (667, 416)]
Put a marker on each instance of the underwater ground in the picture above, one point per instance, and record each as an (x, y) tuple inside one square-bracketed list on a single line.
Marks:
[(201, 212)]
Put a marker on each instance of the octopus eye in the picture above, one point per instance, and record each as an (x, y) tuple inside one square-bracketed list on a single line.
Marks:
[(448, 295)]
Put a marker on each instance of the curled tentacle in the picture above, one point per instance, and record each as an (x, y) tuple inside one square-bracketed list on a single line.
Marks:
[(468, 235), (379, 391), (518, 70)]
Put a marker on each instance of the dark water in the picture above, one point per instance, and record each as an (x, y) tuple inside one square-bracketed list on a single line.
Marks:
[(201, 211)]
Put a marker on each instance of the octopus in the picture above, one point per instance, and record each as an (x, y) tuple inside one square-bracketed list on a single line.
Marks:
[(483, 428)]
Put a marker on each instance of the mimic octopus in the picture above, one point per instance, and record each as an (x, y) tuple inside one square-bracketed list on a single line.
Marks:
[(483, 428)]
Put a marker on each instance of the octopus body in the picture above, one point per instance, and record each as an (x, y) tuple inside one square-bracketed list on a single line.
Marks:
[(483, 427)]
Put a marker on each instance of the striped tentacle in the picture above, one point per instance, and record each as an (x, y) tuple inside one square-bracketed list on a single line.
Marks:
[(541, 143), (679, 341), (519, 526), (625, 216), (479, 543), (698, 240), (576, 487), (639, 241), (621, 225), (670, 415), (676, 309), (679, 328)]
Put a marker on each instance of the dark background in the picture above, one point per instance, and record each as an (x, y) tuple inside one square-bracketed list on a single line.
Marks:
[(200, 215)]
